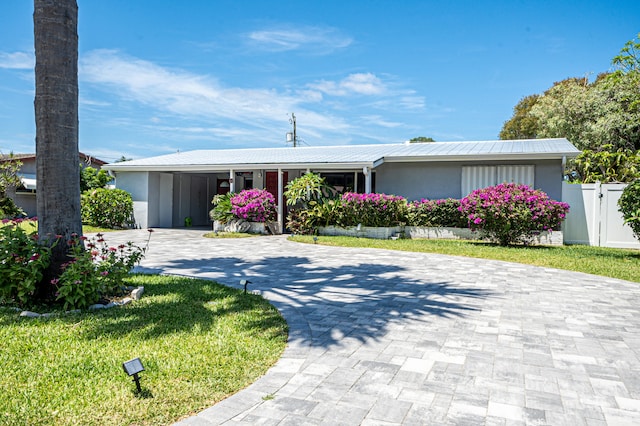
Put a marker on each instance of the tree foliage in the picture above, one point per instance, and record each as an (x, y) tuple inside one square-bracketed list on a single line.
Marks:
[(629, 206), (9, 177), (606, 165), (421, 139), (9, 181), (600, 117), (522, 125), (91, 178), (628, 61)]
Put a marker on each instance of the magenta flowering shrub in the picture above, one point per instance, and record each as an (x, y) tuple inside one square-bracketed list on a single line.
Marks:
[(372, 210), (254, 205), (511, 213), (439, 213)]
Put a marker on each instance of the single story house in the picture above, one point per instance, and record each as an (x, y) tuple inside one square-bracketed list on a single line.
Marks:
[(25, 195), (166, 189)]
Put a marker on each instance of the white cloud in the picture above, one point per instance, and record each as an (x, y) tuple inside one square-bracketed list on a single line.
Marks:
[(176, 105), (312, 40), (358, 83), (198, 97), (178, 91), (381, 121), (17, 60)]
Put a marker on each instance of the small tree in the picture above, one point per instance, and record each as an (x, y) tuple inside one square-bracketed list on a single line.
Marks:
[(91, 178), (9, 181), (629, 206)]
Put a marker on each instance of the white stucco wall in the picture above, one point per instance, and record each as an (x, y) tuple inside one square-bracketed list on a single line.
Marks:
[(137, 184), (442, 180)]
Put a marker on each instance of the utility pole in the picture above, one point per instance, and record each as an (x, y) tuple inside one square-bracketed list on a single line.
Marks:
[(292, 137)]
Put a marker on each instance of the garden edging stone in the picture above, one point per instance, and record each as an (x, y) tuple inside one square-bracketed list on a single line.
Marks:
[(97, 306)]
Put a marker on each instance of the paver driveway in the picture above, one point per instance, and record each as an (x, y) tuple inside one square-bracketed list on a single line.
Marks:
[(381, 337)]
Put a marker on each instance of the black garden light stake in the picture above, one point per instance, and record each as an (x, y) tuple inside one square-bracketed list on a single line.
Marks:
[(245, 283), (132, 368)]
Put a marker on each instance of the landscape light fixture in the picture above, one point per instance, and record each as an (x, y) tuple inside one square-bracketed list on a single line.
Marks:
[(245, 283), (132, 368)]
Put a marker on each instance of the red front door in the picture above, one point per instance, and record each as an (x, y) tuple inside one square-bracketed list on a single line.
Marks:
[(271, 184)]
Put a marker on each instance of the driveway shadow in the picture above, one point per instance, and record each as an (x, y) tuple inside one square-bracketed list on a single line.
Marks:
[(359, 301)]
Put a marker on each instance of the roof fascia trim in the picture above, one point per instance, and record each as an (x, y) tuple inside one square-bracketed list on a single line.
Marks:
[(484, 157), (238, 166)]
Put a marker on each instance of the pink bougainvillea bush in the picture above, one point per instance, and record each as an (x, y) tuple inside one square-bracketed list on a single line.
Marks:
[(254, 205), (511, 213), (373, 209)]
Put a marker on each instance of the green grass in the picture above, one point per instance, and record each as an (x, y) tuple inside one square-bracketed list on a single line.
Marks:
[(32, 226), (608, 262), (199, 342), (88, 229), (229, 235)]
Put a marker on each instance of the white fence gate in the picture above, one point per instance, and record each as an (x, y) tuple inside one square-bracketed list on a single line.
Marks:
[(594, 218)]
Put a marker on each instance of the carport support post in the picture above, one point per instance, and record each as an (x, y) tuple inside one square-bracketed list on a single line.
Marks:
[(232, 182), (279, 201), (367, 179)]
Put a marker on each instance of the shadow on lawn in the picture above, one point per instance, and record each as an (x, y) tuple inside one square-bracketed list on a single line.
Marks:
[(180, 304), (323, 304)]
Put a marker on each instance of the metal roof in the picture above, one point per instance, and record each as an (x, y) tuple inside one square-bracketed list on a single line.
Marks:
[(351, 156)]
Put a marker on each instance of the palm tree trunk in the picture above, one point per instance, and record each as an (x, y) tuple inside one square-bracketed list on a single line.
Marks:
[(56, 112)]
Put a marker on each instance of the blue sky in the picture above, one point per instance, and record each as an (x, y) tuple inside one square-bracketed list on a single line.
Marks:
[(161, 76)]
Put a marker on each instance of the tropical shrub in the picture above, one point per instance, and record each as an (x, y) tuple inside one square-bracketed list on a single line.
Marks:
[(441, 213), (308, 189), (221, 211), (300, 222), (629, 206), (510, 213), (372, 210), (107, 208), (22, 261), (254, 205), (606, 165)]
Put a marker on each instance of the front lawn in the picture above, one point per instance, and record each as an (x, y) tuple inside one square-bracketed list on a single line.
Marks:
[(199, 342), (608, 262), (32, 226)]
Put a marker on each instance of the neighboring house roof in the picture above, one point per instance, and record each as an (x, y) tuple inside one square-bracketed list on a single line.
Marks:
[(351, 156), (83, 157)]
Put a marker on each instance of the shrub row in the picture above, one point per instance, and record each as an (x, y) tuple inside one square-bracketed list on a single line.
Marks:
[(506, 213)]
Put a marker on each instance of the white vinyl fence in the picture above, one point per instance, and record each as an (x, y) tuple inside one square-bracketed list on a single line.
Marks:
[(594, 218)]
